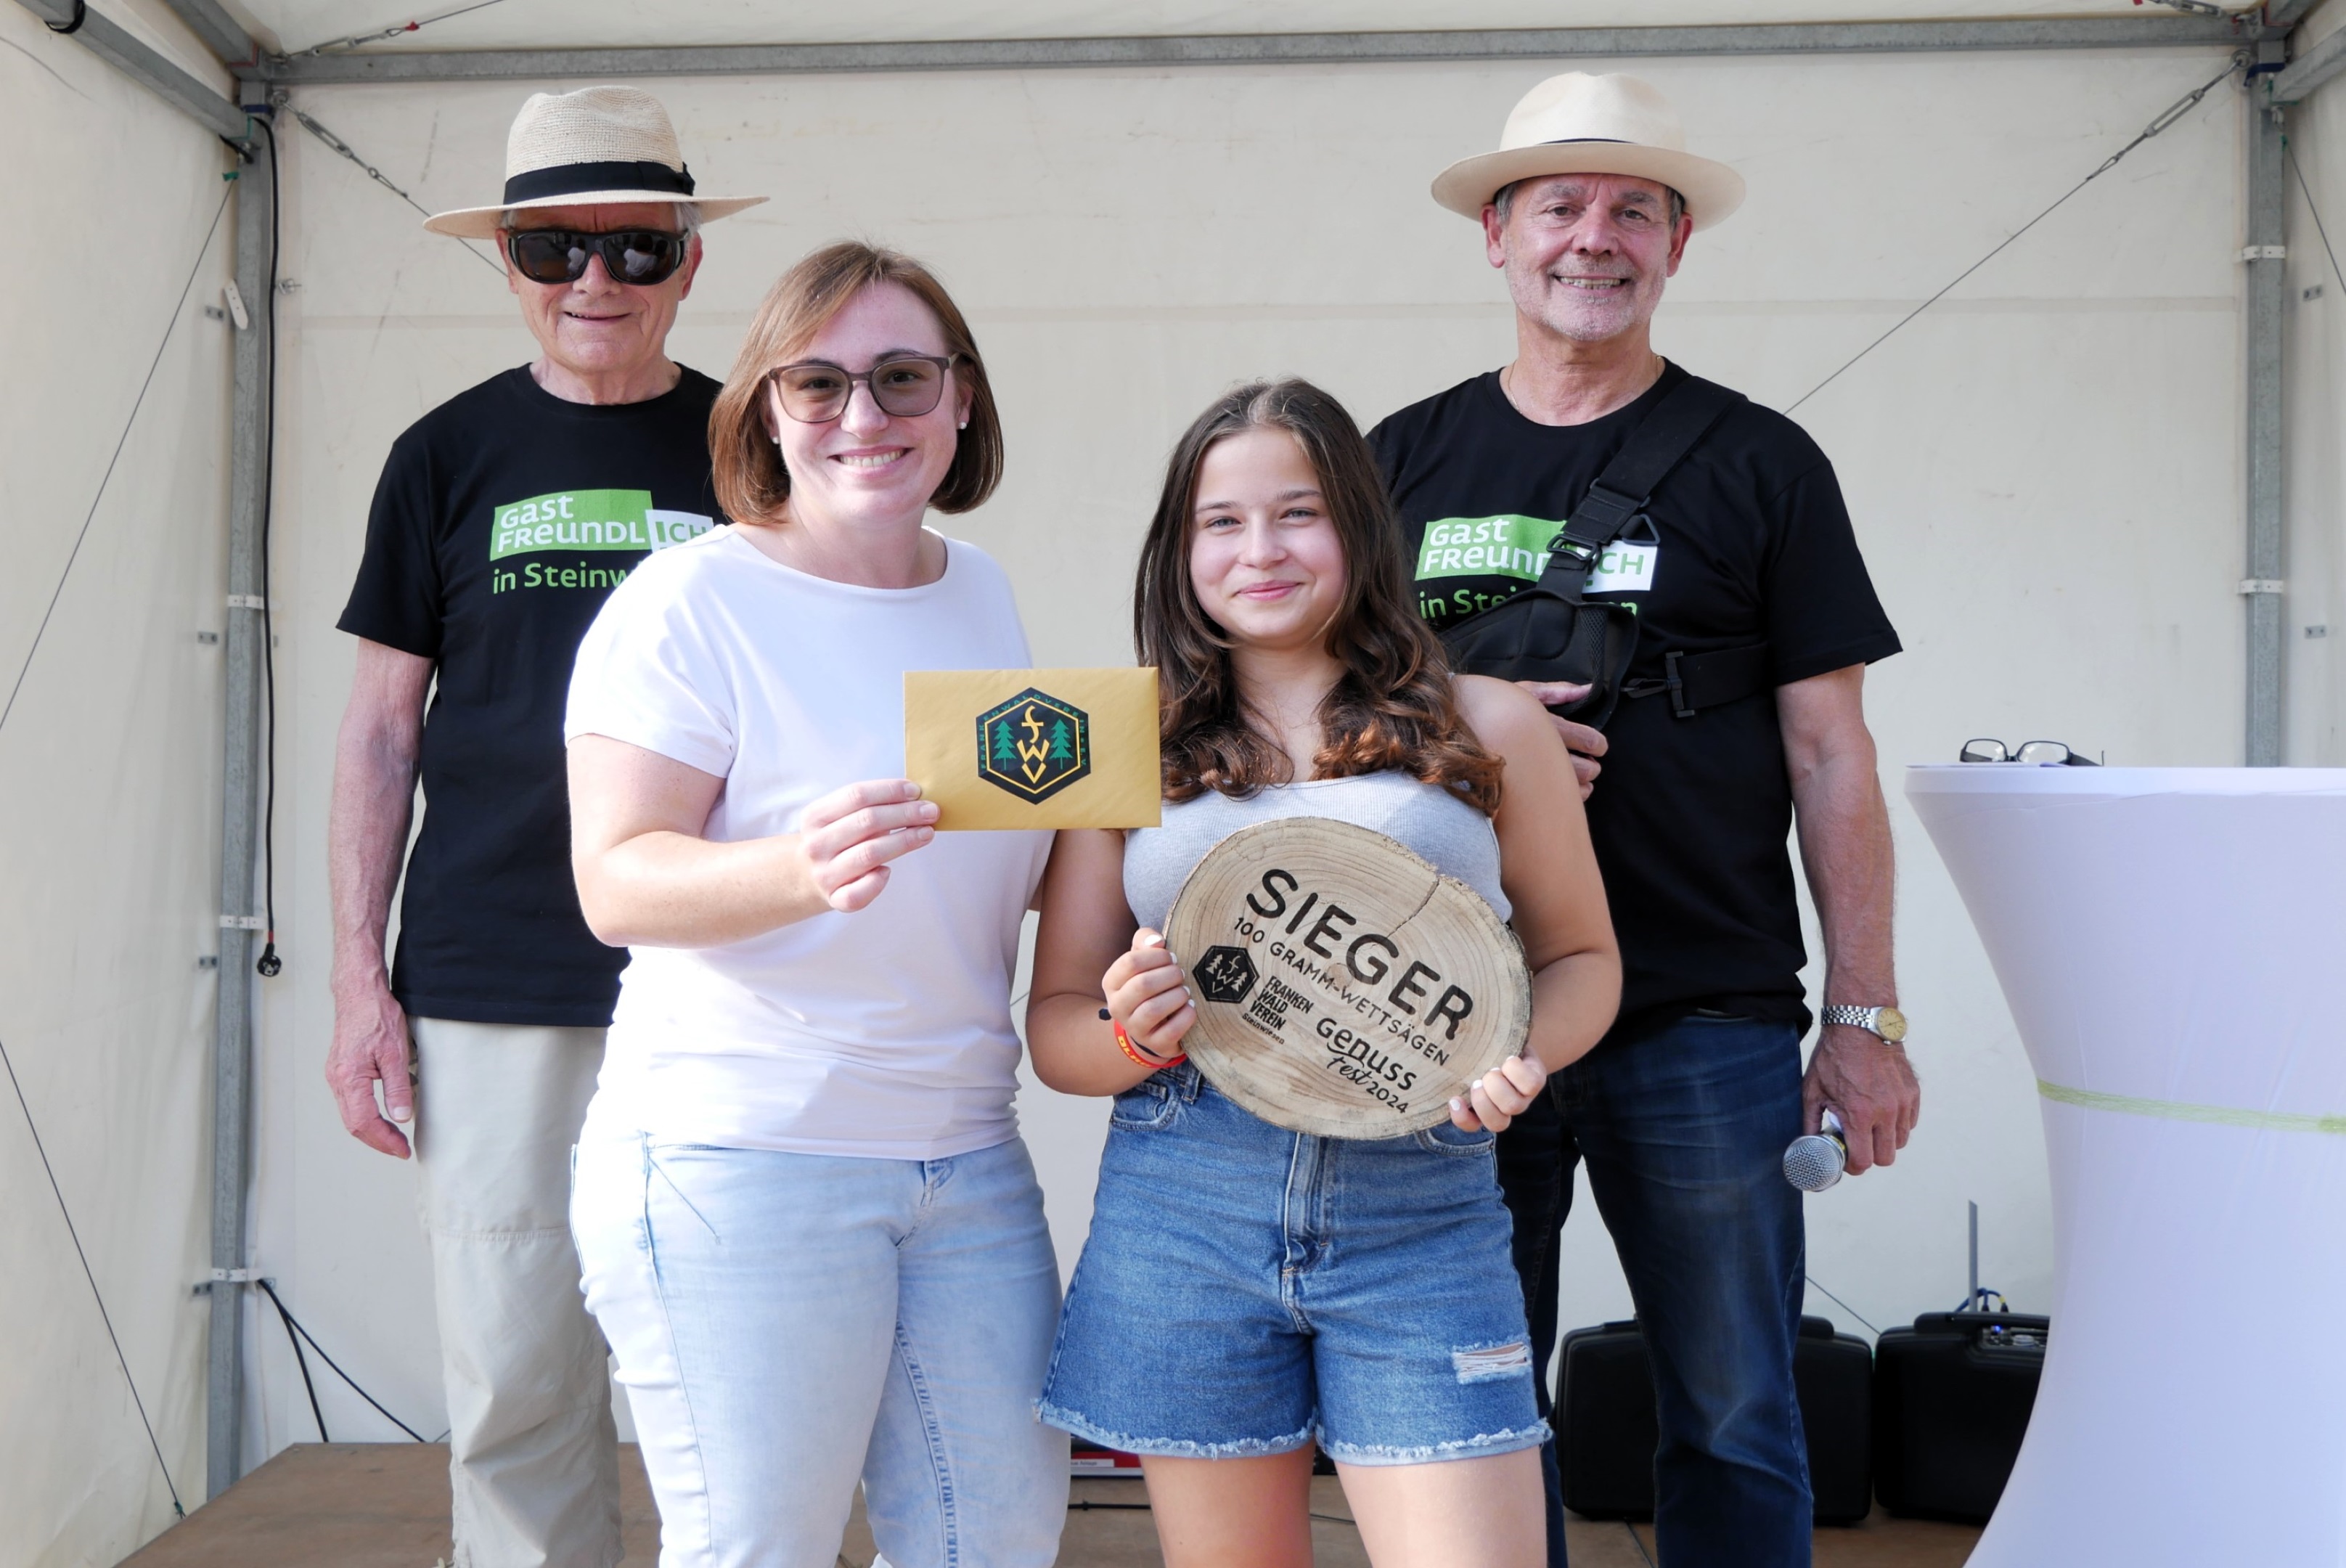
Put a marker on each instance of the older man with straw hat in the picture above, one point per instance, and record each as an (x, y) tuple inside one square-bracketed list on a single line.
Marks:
[(1592, 467), (503, 519)]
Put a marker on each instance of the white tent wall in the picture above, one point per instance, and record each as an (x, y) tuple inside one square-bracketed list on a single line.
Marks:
[(2315, 367), (109, 769), (2044, 469)]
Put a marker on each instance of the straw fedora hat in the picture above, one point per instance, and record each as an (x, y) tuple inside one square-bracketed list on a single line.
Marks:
[(594, 146), (1581, 124)]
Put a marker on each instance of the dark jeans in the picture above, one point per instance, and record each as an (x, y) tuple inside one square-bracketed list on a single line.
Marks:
[(1683, 1131)]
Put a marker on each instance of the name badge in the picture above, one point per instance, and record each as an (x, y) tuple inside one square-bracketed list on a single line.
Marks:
[(1624, 567)]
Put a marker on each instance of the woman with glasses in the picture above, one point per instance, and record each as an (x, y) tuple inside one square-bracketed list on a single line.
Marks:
[(808, 1227)]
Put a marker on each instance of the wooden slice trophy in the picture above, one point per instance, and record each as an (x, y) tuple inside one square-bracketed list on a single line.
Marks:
[(1344, 987)]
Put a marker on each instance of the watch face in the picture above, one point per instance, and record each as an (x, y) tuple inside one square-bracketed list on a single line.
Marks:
[(1890, 1024)]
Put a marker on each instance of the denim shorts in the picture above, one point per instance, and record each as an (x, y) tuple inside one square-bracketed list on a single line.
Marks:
[(1246, 1289)]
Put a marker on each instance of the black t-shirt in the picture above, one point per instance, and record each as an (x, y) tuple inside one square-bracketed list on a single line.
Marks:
[(1749, 543), (502, 520)]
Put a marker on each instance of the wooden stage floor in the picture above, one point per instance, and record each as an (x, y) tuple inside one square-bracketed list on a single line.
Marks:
[(385, 1505)]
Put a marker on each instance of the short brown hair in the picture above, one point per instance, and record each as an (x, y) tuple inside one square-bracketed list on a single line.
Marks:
[(752, 485), (1394, 706)]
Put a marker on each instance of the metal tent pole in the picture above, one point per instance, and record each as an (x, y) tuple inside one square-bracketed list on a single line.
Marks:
[(2266, 258), (248, 459), (109, 41), (220, 32), (240, 813), (2320, 64), (1156, 52)]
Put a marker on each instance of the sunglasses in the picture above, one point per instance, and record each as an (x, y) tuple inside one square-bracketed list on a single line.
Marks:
[(906, 386), (2038, 753), (641, 256)]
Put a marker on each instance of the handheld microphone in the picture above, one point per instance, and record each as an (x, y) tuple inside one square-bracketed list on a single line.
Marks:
[(1814, 1161)]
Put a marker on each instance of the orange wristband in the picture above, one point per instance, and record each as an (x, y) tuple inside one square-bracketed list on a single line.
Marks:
[(1142, 1058)]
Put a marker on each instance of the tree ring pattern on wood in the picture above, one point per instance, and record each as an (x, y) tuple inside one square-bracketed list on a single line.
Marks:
[(1344, 987)]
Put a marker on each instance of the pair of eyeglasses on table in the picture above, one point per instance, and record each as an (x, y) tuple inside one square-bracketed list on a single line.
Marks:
[(2035, 753)]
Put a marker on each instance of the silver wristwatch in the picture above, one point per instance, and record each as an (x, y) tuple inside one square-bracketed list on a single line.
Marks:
[(1886, 1022)]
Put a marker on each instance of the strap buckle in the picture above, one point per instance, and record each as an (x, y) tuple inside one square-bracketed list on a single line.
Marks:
[(1675, 686), (1607, 509), (1672, 682)]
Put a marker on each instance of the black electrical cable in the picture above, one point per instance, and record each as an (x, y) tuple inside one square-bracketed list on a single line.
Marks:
[(269, 965), (302, 1361), (178, 1508), (2174, 112), (294, 1327)]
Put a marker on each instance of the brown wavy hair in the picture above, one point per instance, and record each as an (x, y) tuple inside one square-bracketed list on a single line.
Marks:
[(1394, 706), (752, 483)]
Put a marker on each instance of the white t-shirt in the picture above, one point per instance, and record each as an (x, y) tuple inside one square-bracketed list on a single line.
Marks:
[(884, 1034)]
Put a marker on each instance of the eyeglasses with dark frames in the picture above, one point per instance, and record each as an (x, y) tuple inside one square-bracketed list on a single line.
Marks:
[(814, 392), (639, 256), (2036, 753)]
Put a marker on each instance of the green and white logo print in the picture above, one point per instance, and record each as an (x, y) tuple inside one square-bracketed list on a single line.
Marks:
[(1512, 546), (581, 520)]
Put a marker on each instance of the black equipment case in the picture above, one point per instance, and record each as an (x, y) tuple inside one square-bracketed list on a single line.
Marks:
[(1606, 1431), (1951, 1397)]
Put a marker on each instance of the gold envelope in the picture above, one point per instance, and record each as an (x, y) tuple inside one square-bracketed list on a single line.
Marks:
[(1034, 748)]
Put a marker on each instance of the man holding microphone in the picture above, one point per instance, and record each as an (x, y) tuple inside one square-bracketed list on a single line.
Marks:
[(1683, 1112)]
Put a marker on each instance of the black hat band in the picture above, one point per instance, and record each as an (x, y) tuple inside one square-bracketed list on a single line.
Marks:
[(576, 179)]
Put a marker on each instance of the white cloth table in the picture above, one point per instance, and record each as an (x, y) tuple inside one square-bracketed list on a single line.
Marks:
[(2171, 942)]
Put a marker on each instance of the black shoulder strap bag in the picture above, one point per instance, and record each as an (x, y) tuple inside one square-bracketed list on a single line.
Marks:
[(1548, 632)]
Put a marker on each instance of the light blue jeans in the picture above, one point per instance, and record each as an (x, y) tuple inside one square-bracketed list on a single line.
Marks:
[(784, 1323)]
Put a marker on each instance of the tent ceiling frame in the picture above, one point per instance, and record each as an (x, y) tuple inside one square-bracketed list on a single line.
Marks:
[(2297, 80), (1257, 50), (245, 59), (220, 32), (109, 41)]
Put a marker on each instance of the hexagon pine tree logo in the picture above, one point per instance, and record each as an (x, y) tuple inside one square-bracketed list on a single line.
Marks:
[(1034, 745), (1226, 974)]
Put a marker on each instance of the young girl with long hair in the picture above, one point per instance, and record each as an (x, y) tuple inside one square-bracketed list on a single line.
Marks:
[(1247, 1290)]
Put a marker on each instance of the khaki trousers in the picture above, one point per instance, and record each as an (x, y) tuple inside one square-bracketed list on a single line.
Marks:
[(532, 1454)]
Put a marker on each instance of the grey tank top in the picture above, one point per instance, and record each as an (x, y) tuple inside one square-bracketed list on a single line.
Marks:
[(1456, 838)]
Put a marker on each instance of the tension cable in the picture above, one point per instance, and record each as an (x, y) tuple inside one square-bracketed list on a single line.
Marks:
[(178, 1509), (2318, 228), (401, 31), (2174, 112), (372, 173)]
